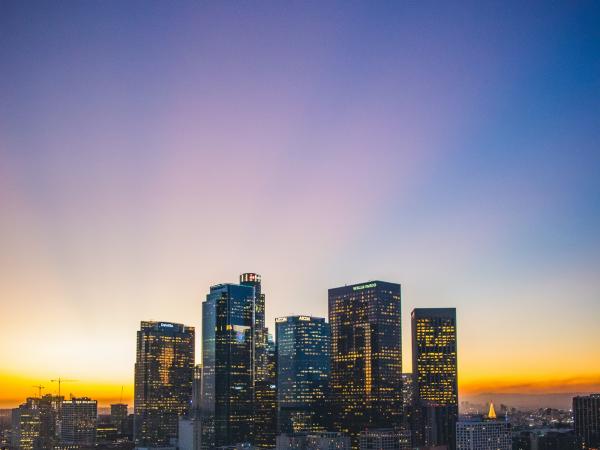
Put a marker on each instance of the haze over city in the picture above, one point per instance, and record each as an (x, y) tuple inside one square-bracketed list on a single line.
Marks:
[(149, 150)]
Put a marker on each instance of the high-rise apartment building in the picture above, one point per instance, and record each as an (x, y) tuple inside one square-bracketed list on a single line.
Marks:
[(164, 371), (78, 421), (228, 362), (434, 352), (586, 416), (303, 366), (366, 356)]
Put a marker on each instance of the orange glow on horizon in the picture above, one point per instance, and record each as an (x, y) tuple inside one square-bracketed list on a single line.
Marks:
[(15, 389)]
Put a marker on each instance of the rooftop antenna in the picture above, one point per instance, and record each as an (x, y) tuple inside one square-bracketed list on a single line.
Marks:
[(121, 398)]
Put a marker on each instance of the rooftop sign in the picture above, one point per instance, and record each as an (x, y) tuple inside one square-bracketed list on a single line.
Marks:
[(360, 287)]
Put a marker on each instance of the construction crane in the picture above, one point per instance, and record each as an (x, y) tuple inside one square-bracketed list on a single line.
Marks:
[(39, 387), (61, 380)]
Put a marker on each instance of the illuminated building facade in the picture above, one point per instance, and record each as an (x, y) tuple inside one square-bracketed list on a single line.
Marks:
[(434, 352), (164, 371), (586, 416), (265, 416), (303, 366), (314, 440), (78, 421), (385, 439), (228, 365), (366, 356), (26, 425), (483, 435)]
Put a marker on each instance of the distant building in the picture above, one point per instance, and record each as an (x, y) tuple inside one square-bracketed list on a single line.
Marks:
[(385, 439), (303, 367), (228, 365), (78, 421), (586, 417), (164, 372), (484, 433), (434, 353), (118, 417), (546, 439), (323, 440), (366, 357), (34, 423)]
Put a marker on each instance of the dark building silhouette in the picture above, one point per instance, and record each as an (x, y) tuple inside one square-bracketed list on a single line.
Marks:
[(264, 389), (228, 315), (34, 423), (586, 417), (265, 416), (118, 418), (366, 357), (164, 371), (303, 368), (434, 353), (78, 421)]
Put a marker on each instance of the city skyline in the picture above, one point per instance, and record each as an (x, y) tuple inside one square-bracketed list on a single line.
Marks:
[(148, 152)]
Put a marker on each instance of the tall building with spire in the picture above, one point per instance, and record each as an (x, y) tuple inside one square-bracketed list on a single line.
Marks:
[(164, 372), (434, 353), (366, 357)]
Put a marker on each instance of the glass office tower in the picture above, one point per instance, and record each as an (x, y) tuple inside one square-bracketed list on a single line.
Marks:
[(228, 365), (303, 368), (366, 356), (434, 353), (164, 372), (265, 412)]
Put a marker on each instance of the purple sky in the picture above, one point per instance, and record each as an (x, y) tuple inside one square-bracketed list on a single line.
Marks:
[(151, 149)]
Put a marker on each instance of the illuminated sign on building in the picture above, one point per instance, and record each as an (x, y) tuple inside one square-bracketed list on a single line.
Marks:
[(304, 318), (250, 277), (364, 286), (281, 319), (167, 325)]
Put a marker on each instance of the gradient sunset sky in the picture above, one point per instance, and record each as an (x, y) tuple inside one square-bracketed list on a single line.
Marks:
[(151, 149)]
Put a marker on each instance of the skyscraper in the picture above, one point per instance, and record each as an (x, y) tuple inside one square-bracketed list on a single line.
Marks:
[(303, 368), (228, 365), (366, 356), (78, 421), (265, 415), (263, 373), (586, 416), (434, 353), (164, 371)]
